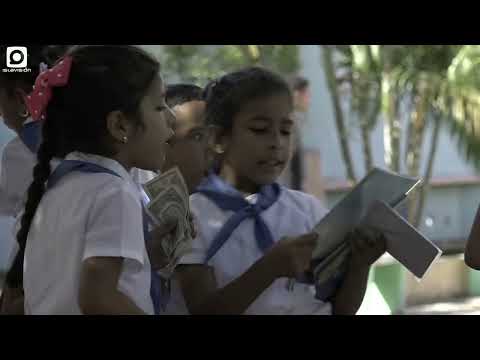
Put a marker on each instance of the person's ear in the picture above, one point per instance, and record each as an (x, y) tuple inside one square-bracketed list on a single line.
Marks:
[(119, 127)]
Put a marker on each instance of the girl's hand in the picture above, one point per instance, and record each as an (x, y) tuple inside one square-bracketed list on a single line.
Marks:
[(160, 237), (368, 245), (291, 257)]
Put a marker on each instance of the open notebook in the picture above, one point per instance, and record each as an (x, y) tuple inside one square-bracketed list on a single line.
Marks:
[(371, 203), (378, 185), (404, 242)]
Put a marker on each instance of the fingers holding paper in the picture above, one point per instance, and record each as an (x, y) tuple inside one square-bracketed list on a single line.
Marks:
[(368, 245)]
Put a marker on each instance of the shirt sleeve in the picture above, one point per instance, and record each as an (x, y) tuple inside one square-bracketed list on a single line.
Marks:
[(16, 169), (115, 226)]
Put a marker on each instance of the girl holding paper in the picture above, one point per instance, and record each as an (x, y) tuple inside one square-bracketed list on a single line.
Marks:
[(253, 235)]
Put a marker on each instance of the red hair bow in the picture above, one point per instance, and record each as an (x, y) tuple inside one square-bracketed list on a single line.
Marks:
[(37, 101)]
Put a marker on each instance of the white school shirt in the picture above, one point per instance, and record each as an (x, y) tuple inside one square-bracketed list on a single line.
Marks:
[(85, 215), (16, 173), (293, 214), (16, 226), (141, 176)]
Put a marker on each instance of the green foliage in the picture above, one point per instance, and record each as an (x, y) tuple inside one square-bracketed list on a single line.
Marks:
[(446, 76), (200, 63)]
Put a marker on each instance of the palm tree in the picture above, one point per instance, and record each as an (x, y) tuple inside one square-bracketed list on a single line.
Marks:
[(365, 80), (461, 99), (332, 82), (430, 83)]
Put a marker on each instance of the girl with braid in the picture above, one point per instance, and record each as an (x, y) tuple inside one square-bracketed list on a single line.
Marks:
[(18, 155), (83, 238)]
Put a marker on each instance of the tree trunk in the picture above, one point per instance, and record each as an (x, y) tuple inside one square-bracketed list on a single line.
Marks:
[(329, 70), (363, 117), (392, 130), (371, 107), (367, 123), (366, 146), (360, 100), (428, 174), (249, 55), (414, 149)]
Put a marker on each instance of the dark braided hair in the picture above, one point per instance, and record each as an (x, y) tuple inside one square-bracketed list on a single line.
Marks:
[(41, 173), (102, 79), (226, 96)]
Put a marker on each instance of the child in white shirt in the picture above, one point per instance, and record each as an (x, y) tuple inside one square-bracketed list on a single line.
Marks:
[(82, 244), (253, 235)]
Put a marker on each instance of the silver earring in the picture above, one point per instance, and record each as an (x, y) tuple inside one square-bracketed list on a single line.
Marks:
[(124, 139), (24, 114), (219, 149)]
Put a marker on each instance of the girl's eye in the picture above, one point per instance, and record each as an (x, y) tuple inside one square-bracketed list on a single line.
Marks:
[(198, 137), (258, 130), (286, 132)]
